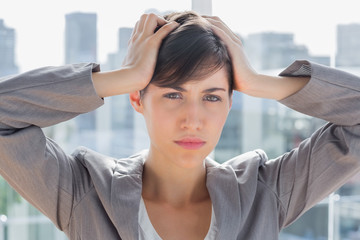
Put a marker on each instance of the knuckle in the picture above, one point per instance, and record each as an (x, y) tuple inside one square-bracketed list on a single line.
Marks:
[(216, 18), (133, 39), (143, 16), (152, 15), (168, 27), (152, 41), (165, 27), (133, 32)]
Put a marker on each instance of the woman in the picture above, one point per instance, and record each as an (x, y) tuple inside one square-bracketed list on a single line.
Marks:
[(180, 78)]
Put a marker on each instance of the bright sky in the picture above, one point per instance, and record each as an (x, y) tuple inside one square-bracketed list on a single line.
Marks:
[(40, 24)]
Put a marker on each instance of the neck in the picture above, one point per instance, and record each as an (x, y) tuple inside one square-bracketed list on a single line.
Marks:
[(168, 182)]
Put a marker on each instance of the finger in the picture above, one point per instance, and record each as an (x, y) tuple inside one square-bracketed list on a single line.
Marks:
[(135, 29), (216, 21), (223, 35), (165, 30), (152, 22), (220, 24), (211, 17), (141, 23)]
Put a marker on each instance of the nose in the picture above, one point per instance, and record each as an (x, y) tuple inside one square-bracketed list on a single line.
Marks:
[(192, 116)]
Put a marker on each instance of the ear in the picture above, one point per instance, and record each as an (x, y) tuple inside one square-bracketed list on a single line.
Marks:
[(135, 100)]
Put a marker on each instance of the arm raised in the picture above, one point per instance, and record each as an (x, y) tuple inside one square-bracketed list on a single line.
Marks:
[(247, 80), (139, 64)]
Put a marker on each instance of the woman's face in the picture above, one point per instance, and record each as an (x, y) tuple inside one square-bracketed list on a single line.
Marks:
[(185, 124)]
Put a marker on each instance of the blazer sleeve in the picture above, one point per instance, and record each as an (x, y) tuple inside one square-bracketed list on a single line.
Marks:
[(331, 156), (34, 165)]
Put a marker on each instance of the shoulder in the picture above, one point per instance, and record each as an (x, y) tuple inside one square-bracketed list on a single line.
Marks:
[(252, 159), (89, 157), (95, 161), (244, 167)]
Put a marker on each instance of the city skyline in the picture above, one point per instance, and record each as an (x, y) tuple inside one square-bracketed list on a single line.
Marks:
[(348, 45), (43, 36), (115, 129)]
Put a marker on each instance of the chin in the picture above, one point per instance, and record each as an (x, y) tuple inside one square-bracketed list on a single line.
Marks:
[(191, 160)]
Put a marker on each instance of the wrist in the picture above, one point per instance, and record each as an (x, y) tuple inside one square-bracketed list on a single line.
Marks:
[(117, 82), (274, 87), (249, 84)]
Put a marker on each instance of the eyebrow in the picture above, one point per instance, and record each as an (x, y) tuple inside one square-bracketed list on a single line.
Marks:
[(209, 90)]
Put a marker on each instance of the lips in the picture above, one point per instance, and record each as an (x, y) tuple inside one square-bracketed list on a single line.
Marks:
[(191, 143)]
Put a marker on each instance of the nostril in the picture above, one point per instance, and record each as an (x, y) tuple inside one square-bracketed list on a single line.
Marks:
[(191, 122)]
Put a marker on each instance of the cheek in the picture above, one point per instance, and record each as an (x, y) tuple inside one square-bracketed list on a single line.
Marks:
[(159, 121), (218, 113), (217, 120), (163, 117)]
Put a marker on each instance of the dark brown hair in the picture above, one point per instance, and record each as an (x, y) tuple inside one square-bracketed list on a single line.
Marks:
[(190, 52)]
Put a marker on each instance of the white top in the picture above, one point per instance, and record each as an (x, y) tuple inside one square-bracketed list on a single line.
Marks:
[(148, 232)]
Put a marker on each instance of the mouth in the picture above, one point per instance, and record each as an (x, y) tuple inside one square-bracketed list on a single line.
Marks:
[(190, 143)]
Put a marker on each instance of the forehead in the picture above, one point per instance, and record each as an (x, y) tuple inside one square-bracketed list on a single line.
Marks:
[(219, 78), (216, 79)]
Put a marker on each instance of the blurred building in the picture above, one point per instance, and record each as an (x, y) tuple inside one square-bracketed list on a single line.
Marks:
[(128, 126), (115, 59), (128, 130), (157, 12), (80, 37), (231, 141), (203, 7), (81, 46), (124, 35), (348, 45), (270, 50), (7, 50)]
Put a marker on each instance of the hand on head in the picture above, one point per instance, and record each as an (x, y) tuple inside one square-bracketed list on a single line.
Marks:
[(146, 39), (242, 70), (246, 79), (144, 46), (143, 54)]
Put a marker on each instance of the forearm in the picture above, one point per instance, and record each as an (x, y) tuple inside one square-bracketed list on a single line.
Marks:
[(33, 164), (116, 82), (47, 96), (274, 87), (331, 94)]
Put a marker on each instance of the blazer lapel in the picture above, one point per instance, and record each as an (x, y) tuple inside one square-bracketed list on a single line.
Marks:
[(224, 193), (126, 188), (223, 183)]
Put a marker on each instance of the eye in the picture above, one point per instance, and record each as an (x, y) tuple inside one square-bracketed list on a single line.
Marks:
[(173, 95), (212, 98)]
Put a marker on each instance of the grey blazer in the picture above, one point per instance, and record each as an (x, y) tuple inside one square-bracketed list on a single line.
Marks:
[(91, 196)]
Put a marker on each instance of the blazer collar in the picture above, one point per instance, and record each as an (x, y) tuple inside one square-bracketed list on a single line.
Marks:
[(224, 192), (126, 192), (126, 188)]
